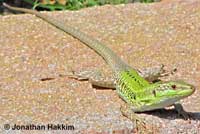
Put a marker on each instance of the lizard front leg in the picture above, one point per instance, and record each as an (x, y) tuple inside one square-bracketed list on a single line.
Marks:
[(152, 74), (140, 125), (181, 112), (97, 79)]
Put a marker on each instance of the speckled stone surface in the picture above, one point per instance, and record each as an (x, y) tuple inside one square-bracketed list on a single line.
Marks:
[(142, 34)]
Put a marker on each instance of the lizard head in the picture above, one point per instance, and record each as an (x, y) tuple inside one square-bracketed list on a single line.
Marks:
[(163, 94), (144, 96)]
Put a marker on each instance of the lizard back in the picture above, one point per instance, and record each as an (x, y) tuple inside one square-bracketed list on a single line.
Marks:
[(127, 80), (133, 88)]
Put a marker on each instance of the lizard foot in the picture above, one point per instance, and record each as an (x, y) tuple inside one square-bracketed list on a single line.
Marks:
[(140, 126), (181, 112)]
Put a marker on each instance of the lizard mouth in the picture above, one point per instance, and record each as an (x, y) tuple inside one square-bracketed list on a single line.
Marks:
[(166, 102), (192, 89), (159, 105), (187, 92)]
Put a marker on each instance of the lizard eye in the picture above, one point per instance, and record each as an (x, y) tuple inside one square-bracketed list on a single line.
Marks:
[(173, 86)]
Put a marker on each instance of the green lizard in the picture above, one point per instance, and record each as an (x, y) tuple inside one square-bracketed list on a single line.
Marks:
[(139, 94)]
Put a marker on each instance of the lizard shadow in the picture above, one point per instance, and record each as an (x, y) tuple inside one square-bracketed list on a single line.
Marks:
[(172, 114)]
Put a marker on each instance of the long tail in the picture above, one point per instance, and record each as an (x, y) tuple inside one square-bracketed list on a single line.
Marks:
[(109, 56)]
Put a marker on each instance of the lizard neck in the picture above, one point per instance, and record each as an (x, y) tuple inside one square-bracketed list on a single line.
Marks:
[(129, 85)]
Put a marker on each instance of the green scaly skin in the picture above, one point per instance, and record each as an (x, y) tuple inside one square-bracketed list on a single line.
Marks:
[(146, 97), (135, 90)]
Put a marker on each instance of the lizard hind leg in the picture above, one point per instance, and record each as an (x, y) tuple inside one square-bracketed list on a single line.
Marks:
[(95, 77), (85, 75)]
